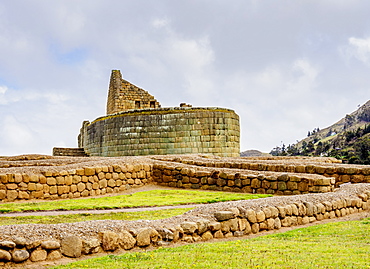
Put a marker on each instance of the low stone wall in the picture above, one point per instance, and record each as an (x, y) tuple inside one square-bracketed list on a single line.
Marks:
[(60, 178), (239, 180), (73, 152), (326, 167), (73, 183), (220, 220)]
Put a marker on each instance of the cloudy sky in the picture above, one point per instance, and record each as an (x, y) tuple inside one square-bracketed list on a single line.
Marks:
[(286, 67)]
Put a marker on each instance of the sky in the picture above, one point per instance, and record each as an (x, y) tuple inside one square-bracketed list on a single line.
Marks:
[(285, 67)]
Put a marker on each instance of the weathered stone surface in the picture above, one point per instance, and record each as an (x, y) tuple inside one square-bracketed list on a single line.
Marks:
[(188, 238), (238, 233), (274, 212), (214, 226), (270, 224), (189, 227), (127, 241), (218, 234), (207, 236), (255, 228), (224, 215), (54, 255), (5, 255), (71, 246), (20, 255), (277, 223), (267, 212), (20, 241), (109, 240), (166, 234), (90, 246), (38, 255), (33, 245), (230, 225), (7, 244), (146, 236), (203, 226), (309, 208), (50, 244), (251, 215), (260, 216)]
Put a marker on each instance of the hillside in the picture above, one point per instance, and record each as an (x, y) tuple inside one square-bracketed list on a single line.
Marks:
[(253, 153), (348, 139)]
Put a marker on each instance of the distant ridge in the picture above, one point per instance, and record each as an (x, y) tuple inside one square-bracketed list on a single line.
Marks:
[(348, 139), (253, 153)]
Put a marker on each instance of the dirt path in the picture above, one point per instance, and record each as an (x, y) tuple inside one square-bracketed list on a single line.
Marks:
[(95, 211)]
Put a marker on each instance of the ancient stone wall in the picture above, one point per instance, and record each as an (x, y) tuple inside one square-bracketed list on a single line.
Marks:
[(73, 183), (123, 96), (73, 152), (45, 177), (163, 131), (341, 173), (222, 220), (239, 180)]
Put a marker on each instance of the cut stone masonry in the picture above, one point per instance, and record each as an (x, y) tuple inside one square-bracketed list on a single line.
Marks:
[(46, 177)]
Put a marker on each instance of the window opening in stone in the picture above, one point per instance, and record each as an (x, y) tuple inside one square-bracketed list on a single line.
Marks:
[(152, 104), (137, 104)]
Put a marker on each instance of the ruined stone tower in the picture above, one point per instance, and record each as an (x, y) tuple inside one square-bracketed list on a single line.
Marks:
[(136, 124), (123, 96)]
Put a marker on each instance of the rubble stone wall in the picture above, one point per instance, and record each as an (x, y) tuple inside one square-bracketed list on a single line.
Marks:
[(224, 179), (73, 152), (163, 131), (341, 173), (240, 220)]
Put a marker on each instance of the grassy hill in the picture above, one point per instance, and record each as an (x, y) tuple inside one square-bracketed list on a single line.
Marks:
[(348, 139)]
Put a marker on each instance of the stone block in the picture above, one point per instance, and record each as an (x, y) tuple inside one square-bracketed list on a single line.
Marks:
[(38, 255), (20, 255), (11, 195), (71, 246), (5, 255)]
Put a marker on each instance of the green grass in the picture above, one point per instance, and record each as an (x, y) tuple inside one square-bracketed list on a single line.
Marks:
[(333, 245), (147, 215), (139, 199)]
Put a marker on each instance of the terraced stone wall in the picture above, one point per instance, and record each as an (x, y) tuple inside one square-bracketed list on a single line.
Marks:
[(239, 180), (163, 131), (73, 183), (330, 168), (73, 152), (222, 221)]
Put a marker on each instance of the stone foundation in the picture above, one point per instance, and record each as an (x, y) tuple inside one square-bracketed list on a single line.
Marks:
[(163, 131), (45, 177)]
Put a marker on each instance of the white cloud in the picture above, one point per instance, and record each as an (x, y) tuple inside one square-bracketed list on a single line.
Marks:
[(3, 90), (15, 135), (160, 22), (303, 79), (359, 48)]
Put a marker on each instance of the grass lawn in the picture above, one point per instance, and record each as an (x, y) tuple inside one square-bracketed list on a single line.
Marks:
[(139, 199), (147, 215), (332, 245)]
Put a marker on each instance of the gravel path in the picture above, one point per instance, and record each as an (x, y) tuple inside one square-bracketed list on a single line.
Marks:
[(94, 211)]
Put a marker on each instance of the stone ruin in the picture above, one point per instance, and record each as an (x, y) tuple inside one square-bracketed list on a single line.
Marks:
[(308, 190), (124, 96), (136, 124)]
